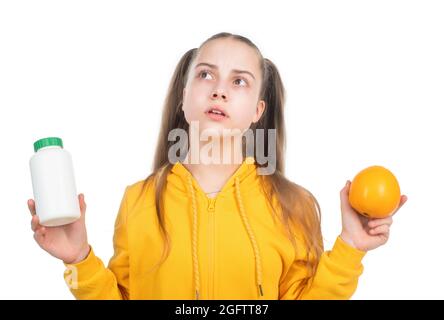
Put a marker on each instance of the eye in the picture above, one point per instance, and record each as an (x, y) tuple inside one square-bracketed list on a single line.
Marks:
[(236, 81), (204, 72)]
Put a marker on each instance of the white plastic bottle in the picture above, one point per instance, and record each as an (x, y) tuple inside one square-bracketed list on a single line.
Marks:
[(53, 183)]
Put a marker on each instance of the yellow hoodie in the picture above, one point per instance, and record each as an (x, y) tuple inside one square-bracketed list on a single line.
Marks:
[(227, 247)]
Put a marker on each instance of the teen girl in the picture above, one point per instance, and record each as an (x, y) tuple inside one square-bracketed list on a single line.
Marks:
[(218, 230)]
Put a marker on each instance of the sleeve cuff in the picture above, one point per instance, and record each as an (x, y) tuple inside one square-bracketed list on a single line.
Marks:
[(86, 268), (346, 254)]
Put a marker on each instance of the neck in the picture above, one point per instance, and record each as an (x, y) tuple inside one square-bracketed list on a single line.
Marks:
[(212, 176)]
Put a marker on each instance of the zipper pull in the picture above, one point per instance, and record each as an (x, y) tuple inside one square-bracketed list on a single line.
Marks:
[(211, 204)]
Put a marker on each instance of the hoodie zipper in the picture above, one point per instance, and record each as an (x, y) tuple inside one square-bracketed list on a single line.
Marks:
[(211, 209)]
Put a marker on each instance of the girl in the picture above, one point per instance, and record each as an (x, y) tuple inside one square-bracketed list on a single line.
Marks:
[(192, 230)]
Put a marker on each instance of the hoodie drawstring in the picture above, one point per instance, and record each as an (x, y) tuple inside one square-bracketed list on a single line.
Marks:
[(194, 240), (257, 255), (247, 226)]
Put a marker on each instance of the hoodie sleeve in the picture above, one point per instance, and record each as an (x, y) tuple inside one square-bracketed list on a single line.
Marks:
[(90, 279), (336, 276)]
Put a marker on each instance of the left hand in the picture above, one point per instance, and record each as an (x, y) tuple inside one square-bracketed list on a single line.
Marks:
[(361, 232)]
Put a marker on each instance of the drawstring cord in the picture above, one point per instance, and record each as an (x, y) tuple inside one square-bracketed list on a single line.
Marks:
[(257, 256), (247, 226), (194, 240)]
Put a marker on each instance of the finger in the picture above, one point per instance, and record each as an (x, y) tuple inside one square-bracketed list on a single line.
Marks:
[(41, 231), (344, 193), (39, 235), (82, 203), (31, 206), (380, 229), (402, 201), (384, 237), (364, 219), (35, 223), (373, 223), (346, 188)]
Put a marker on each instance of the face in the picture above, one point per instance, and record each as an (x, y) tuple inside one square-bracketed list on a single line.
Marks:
[(226, 76)]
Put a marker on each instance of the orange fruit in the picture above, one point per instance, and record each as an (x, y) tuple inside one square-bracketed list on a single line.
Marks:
[(374, 192)]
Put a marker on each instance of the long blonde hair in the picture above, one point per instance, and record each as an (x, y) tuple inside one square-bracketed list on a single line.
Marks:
[(298, 206)]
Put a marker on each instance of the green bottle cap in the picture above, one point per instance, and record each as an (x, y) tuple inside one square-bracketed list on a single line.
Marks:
[(46, 142)]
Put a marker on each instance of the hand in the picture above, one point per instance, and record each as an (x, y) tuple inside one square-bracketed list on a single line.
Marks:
[(361, 232), (68, 242)]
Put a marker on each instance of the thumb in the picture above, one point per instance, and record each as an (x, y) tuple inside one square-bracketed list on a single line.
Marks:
[(345, 189), (344, 194)]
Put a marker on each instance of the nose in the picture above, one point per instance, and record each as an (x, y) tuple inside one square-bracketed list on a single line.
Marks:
[(219, 93)]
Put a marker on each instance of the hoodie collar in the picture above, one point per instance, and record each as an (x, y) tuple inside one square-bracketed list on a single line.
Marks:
[(246, 173)]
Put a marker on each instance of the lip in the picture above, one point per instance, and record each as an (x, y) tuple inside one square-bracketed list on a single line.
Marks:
[(214, 116)]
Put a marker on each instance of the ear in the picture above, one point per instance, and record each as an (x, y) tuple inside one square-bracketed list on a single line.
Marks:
[(260, 108)]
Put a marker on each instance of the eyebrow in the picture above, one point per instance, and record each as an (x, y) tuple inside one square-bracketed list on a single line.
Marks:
[(213, 66)]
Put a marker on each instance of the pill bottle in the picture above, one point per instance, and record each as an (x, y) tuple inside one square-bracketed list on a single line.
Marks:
[(53, 183)]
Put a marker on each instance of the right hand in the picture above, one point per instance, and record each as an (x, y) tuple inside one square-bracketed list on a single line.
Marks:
[(68, 242)]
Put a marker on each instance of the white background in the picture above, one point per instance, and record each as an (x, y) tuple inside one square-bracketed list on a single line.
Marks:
[(364, 82)]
